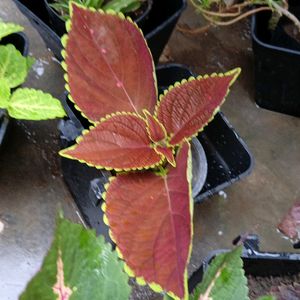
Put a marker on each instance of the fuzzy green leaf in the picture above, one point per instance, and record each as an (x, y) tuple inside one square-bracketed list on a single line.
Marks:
[(4, 94), (9, 28), (78, 266), (266, 298), (13, 66), (30, 104), (224, 279)]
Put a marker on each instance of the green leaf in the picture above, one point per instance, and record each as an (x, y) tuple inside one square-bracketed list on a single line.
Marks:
[(13, 66), (30, 104), (9, 28), (30, 61), (94, 3), (122, 5), (4, 94), (80, 266), (224, 279)]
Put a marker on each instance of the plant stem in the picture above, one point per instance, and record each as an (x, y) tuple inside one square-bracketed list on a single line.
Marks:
[(240, 17), (285, 12), (235, 12)]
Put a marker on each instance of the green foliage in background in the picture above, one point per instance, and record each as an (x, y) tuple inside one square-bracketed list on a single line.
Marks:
[(9, 28), (124, 6), (224, 279), (22, 103)]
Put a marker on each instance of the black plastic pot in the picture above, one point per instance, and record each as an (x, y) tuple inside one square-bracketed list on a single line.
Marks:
[(157, 26), (58, 24), (256, 263), (277, 65), (228, 158), (20, 41)]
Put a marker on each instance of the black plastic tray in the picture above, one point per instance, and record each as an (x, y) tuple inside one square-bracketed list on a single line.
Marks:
[(228, 157), (20, 41), (277, 66), (256, 263), (157, 28)]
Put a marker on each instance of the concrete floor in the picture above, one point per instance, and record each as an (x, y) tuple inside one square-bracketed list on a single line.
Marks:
[(32, 189)]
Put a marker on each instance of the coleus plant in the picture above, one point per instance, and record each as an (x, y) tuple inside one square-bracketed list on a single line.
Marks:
[(78, 266), (148, 205), (22, 103)]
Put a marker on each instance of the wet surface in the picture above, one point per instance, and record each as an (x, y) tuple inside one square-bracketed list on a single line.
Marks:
[(31, 187), (257, 203)]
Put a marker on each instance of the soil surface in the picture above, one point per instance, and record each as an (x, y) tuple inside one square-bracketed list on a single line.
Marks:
[(261, 286)]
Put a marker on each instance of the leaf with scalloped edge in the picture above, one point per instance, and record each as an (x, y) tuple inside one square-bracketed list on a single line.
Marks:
[(167, 153), (13, 66), (224, 279), (4, 93), (155, 129), (30, 104), (9, 28), (79, 265), (120, 142), (109, 66), (187, 107), (150, 219)]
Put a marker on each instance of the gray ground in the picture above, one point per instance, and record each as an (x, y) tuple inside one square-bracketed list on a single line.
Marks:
[(32, 189)]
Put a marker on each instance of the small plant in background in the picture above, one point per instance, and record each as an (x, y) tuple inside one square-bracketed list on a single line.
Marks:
[(22, 103), (225, 279), (148, 204), (124, 6), (227, 12)]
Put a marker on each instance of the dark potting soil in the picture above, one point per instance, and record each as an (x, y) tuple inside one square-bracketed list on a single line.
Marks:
[(283, 287)]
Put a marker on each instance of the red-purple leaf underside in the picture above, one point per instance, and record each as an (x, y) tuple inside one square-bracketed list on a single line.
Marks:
[(187, 108), (150, 219), (119, 142), (109, 65), (156, 131)]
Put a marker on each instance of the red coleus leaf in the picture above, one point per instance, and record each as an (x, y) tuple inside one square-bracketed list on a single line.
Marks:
[(120, 142), (155, 129), (167, 153), (187, 107), (109, 66), (150, 221)]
